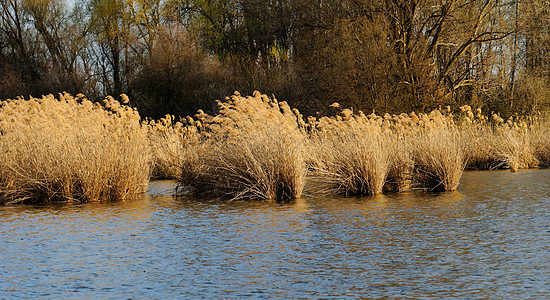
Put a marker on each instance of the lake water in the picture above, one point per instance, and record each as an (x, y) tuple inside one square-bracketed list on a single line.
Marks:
[(490, 239)]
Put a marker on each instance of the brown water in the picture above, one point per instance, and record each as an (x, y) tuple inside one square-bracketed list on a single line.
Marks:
[(491, 239)]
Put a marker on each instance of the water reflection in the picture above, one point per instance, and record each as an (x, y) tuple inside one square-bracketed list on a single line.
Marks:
[(489, 239), (301, 205)]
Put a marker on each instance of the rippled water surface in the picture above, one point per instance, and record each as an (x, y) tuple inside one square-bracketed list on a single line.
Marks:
[(491, 239)]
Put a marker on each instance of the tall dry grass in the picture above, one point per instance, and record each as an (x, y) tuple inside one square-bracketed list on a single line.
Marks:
[(258, 148), (352, 154), (492, 143), (70, 149), (539, 133), (253, 149), (400, 176), (439, 157), (172, 144), (367, 155)]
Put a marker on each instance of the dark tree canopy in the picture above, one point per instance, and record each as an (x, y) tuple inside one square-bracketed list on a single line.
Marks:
[(176, 56)]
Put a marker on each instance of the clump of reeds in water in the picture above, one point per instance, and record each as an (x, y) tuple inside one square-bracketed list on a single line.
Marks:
[(492, 143), (438, 153), (367, 155), (253, 149), (539, 132), (479, 139), (171, 145), (70, 149), (352, 154), (259, 148)]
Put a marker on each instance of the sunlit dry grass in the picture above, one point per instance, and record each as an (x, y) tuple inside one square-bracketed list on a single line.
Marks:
[(367, 155), (539, 133), (258, 148), (400, 176), (439, 158), (171, 145), (491, 143), (352, 154), (70, 149), (254, 149)]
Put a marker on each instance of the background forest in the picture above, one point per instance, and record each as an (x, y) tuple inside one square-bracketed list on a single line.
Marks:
[(178, 56)]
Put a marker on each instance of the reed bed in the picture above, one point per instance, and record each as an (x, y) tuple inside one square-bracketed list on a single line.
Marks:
[(170, 142), (253, 148), (368, 155), (352, 154), (70, 149), (439, 157), (258, 148), (492, 143)]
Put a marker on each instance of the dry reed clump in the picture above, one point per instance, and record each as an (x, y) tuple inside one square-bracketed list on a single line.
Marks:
[(253, 149), (257, 148), (436, 149), (540, 140), (439, 158), (367, 155), (173, 145), (515, 149), (352, 154), (400, 175), (70, 149), (492, 143), (479, 139)]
